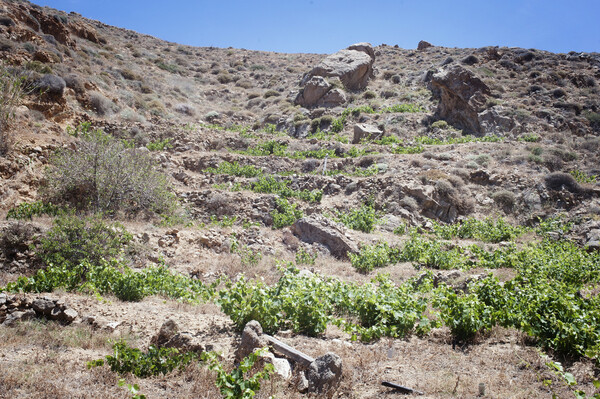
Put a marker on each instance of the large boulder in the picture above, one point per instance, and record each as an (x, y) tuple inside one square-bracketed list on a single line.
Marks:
[(317, 228), (252, 338), (325, 373), (462, 97), (354, 66), (319, 92)]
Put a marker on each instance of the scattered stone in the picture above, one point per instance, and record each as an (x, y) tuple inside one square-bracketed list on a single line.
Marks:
[(325, 373), (423, 45), (167, 331), (251, 339), (319, 229), (365, 131), (14, 317)]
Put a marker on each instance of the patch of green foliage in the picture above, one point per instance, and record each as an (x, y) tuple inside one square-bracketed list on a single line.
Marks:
[(285, 213), (27, 210), (244, 381), (582, 177), (156, 361), (425, 140), (406, 107), (159, 145), (374, 256), (271, 185), (307, 304), (487, 230), (303, 257), (235, 169), (362, 219)]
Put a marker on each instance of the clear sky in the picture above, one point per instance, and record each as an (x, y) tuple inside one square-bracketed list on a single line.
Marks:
[(324, 26)]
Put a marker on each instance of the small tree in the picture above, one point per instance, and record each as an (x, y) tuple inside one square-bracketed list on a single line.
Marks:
[(104, 174), (11, 92)]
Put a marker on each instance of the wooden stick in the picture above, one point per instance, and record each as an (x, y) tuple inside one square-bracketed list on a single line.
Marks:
[(400, 388), (288, 351)]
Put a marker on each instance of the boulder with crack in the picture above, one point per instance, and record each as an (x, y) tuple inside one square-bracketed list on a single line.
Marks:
[(462, 97), (319, 229), (354, 66)]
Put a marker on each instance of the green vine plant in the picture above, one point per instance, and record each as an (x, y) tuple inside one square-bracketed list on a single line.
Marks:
[(240, 383)]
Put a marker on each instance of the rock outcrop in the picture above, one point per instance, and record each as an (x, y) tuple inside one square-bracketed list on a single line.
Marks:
[(13, 309), (354, 66), (318, 92), (317, 228), (462, 97)]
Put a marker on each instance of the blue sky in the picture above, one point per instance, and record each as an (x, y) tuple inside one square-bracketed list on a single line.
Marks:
[(324, 26)]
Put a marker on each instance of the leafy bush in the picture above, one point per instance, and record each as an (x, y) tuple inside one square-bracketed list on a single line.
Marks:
[(29, 210), (144, 364), (159, 145), (488, 230), (235, 169), (72, 240), (239, 384), (11, 93), (372, 256), (104, 175), (303, 257), (113, 277), (362, 219), (285, 214), (270, 185)]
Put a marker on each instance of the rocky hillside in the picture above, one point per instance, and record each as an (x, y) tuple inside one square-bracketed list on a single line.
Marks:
[(426, 217)]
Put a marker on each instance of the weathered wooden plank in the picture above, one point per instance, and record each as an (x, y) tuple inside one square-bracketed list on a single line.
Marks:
[(286, 350)]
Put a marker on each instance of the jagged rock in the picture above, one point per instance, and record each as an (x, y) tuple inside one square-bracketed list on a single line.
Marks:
[(86, 32), (282, 366), (318, 92), (18, 315), (302, 385), (317, 228), (43, 306), (52, 26), (440, 210), (167, 331), (492, 120), (363, 130), (325, 373), (423, 45), (251, 339), (2, 299), (313, 91), (593, 240), (462, 97), (66, 316), (354, 66), (363, 47)]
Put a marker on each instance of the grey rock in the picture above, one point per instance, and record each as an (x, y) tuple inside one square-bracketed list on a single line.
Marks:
[(18, 315), (462, 97), (318, 229), (423, 45), (494, 120), (365, 131), (313, 91), (325, 373), (251, 339), (302, 385), (43, 306), (2, 299), (68, 315), (354, 67)]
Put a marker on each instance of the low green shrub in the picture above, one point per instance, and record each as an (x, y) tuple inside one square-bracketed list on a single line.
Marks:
[(244, 381), (157, 360), (285, 214), (28, 210), (363, 219)]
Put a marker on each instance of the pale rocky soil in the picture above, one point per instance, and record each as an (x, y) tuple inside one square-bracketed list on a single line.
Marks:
[(136, 86)]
